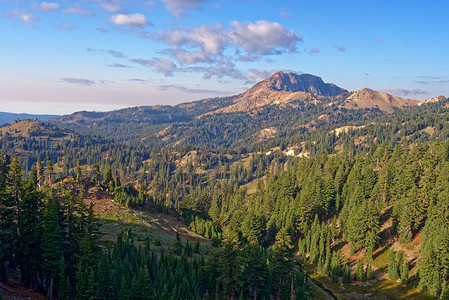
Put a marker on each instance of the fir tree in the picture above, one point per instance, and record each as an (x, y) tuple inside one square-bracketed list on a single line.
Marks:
[(49, 170), (392, 266), (52, 241), (404, 273), (359, 271)]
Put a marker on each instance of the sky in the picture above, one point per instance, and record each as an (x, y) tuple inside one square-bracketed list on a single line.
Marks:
[(58, 57)]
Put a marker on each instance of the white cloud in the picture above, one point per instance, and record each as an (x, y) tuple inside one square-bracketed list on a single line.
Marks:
[(255, 75), (179, 7), (218, 47), (211, 39), (260, 38), (133, 20), (263, 37)]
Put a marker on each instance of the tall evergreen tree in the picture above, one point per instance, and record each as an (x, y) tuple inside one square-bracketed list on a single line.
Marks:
[(49, 169), (52, 241)]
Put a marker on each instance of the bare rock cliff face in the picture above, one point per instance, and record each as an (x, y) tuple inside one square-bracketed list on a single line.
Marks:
[(282, 88), (306, 83)]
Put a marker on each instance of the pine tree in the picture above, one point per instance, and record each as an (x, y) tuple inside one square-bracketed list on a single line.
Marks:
[(28, 247), (64, 286), (404, 273), (49, 169), (14, 187), (369, 271), (177, 246), (346, 274), (229, 270), (445, 292), (392, 266), (255, 270), (335, 266), (40, 172), (8, 230), (196, 248), (359, 271), (282, 260), (107, 177), (79, 174), (97, 174), (52, 242)]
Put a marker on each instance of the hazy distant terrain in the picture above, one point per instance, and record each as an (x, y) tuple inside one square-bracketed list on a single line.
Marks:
[(8, 118)]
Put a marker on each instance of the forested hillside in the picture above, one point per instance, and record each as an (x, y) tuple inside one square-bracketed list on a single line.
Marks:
[(293, 200)]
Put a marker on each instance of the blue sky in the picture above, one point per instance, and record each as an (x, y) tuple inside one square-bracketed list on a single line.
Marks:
[(65, 56)]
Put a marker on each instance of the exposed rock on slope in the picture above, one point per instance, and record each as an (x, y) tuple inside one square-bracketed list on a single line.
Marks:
[(367, 98), (433, 100), (282, 88)]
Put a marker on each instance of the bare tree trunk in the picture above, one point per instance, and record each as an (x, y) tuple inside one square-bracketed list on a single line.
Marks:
[(292, 291), (4, 271), (50, 290)]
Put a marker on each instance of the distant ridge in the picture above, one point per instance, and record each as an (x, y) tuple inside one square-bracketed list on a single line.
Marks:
[(368, 98), (282, 88), (30, 127), (8, 118)]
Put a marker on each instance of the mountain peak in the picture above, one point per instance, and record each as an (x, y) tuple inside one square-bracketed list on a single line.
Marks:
[(281, 88), (368, 98), (307, 83)]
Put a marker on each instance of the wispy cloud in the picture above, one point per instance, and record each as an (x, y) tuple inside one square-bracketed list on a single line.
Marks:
[(117, 54), (117, 65), (78, 81), (131, 20), (26, 17), (45, 6), (432, 79), (340, 48), (285, 13), (161, 65), (190, 90), (66, 26), (313, 51), (112, 6), (405, 92), (76, 9), (179, 8), (380, 39)]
